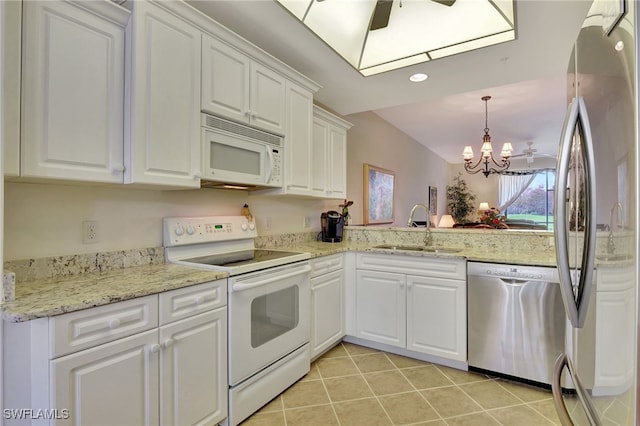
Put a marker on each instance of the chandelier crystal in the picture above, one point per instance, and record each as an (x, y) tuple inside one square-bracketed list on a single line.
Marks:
[(487, 163)]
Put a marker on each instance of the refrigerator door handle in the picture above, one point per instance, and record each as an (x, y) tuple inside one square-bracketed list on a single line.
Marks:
[(589, 245), (556, 389), (560, 207), (576, 304)]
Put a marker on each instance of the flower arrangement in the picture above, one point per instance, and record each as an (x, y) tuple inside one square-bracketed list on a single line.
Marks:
[(493, 218)]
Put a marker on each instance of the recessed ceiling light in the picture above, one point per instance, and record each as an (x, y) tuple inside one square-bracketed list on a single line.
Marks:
[(418, 77)]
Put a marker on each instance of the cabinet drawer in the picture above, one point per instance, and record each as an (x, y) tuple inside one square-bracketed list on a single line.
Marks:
[(90, 327), (324, 264), (418, 265), (188, 301)]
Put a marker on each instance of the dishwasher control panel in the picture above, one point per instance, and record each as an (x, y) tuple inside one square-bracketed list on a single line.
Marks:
[(518, 272)]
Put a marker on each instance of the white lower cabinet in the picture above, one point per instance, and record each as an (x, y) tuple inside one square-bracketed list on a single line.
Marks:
[(327, 303), (614, 330), (414, 303), (154, 360)]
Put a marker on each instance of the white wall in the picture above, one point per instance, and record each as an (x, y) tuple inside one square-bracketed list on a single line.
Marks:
[(374, 141)]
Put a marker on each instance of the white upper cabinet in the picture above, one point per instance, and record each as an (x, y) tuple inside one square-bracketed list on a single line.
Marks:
[(329, 153), (10, 30), (239, 88), (162, 142), (72, 112)]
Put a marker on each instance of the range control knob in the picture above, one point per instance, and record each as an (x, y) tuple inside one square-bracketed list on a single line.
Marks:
[(190, 230), (252, 225), (179, 230), (244, 226)]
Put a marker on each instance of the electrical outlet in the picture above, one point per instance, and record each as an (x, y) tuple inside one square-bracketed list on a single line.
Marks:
[(267, 223), (307, 222), (90, 232)]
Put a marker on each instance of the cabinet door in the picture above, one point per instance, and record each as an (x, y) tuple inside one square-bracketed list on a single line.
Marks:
[(164, 145), (337, 163), (115, 383), (437, 317), (72, 92), (193, 370), (381, 307), (319, 160), (10, 44), (327, 311), (225, 80), (267, 99), (614, 364), (298, 139)]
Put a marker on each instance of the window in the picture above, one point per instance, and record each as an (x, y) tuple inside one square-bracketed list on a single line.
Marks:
[(535, 203)]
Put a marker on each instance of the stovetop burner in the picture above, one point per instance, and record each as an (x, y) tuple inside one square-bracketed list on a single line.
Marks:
[(239, 258)]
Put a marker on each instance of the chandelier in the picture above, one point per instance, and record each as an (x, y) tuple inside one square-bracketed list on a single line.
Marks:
[(487, 164)]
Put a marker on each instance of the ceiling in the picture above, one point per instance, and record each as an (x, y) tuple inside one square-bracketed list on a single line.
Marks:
[(525, 78)]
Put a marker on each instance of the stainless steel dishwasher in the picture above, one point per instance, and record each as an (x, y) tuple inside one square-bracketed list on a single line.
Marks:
[(516, 321)]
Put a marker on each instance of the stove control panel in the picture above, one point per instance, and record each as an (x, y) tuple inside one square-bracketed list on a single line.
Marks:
[(179, 231)]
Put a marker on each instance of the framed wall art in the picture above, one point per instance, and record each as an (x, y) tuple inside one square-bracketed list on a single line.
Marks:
[(379, 185)]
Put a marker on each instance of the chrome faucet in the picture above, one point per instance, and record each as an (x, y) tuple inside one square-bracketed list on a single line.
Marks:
[(611, 246), (427, 235)]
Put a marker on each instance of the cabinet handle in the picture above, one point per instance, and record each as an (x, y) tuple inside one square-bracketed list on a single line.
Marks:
[(197, 175), (114, 323), (155, 348), (117, 169), (168, 343), (198, 300)]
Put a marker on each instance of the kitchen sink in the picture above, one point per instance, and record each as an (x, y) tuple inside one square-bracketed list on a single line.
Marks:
[(418, 248)]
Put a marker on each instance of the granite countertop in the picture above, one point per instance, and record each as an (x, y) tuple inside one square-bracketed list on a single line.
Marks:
[(55, 296), (528, 257), (65, 293)]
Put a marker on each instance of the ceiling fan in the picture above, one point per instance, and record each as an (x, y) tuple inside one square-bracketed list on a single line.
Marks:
[(530, 153), (381, 13)]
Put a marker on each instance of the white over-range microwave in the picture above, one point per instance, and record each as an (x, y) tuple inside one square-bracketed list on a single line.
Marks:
[(239, 157)]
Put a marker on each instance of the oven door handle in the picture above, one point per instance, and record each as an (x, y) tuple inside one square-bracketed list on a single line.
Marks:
[(240, 286)]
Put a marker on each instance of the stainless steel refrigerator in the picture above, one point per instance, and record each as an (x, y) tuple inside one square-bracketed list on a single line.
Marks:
[(596, 221)]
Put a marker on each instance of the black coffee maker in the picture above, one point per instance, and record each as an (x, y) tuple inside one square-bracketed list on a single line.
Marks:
[(332, 224)]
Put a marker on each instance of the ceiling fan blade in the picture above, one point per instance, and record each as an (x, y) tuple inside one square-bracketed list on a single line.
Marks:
[(381, 13), (445, 2)]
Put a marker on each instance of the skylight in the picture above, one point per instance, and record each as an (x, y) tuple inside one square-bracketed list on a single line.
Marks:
[(417, 30)]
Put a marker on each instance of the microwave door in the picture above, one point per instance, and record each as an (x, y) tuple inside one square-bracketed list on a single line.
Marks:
[(233, 159)]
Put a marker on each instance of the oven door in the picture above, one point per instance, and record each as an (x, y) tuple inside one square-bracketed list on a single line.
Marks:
[(268, 317)]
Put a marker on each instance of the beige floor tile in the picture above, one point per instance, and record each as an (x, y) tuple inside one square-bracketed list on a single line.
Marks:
[(547, 409), (319, 415), (303, 394), (427, 377), (404, 408), (520, 415), (490, 395), (334, 367), (460, 376), (373, 362), (358, 350), (404, 362), (525, 392), (477, 419), (387, 382), (346, 388), (266, 419), (313, 374), (450, 401), (431, 423), (336, 351), (361, 412)]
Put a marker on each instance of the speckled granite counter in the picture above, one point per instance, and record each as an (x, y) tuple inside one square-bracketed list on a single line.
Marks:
[(54, 296)]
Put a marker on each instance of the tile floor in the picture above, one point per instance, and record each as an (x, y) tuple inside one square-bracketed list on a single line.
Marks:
[(354, 385)]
